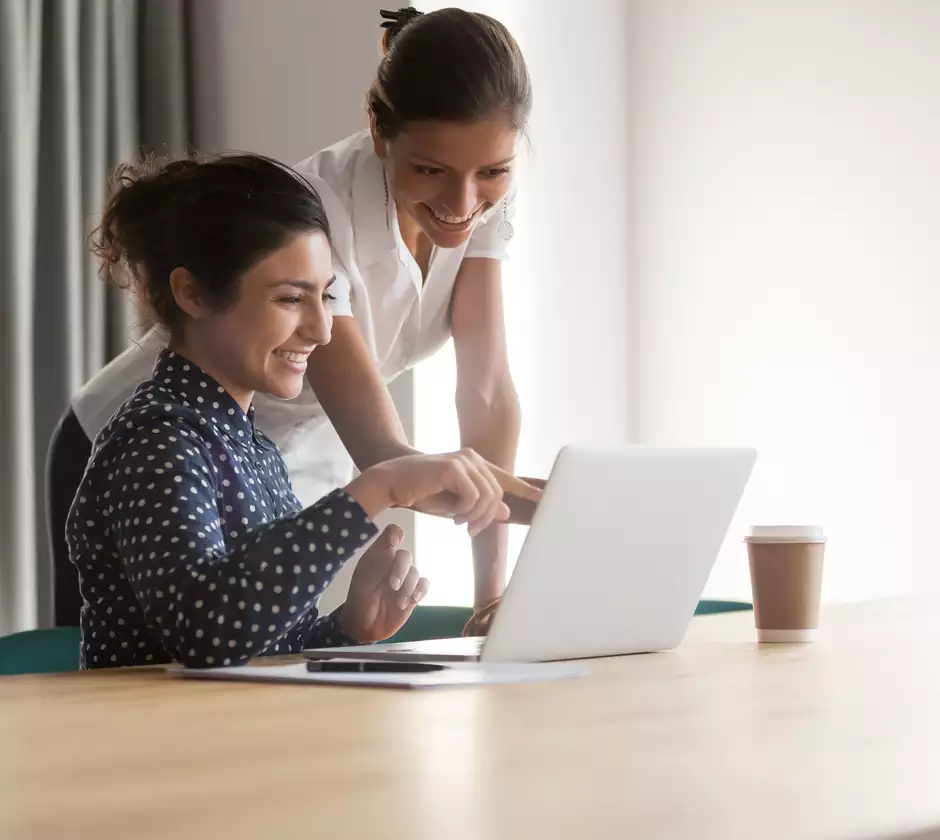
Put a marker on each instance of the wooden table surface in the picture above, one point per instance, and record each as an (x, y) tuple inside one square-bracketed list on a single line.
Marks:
[(718, 739)]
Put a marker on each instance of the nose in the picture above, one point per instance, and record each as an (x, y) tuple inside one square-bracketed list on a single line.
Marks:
[(461, 197), (317, 323)]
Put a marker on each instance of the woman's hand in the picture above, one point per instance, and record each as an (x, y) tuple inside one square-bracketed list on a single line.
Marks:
[(521, 496), (522, 505), (383, 592), (460, 485)]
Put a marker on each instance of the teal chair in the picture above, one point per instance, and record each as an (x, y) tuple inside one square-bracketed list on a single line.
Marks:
[(433, 623), (448, 622), (713, 607), (40, 651)]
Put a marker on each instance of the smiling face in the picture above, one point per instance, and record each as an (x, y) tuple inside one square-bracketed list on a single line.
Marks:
[(280, 315), (446, 175)]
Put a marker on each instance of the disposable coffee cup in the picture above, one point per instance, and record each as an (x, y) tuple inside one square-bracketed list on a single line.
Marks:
[(786, 581)]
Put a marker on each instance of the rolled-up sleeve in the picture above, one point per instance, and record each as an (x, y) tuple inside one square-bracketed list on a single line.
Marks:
[(341, 305)]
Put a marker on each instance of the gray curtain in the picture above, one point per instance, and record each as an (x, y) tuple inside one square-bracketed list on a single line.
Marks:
[(84, 84)]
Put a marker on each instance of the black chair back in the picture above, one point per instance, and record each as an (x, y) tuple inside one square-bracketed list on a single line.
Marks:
[(69, 451)]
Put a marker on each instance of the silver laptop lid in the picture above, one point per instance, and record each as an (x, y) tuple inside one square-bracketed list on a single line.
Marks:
[(619, 552)]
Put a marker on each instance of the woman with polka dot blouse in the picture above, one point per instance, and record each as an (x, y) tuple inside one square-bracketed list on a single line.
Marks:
[(189, 542)]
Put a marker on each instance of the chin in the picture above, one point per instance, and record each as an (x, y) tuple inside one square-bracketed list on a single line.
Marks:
[(447, 240), (284, 390)]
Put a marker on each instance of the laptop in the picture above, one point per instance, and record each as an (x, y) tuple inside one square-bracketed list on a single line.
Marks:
[(615, 560)]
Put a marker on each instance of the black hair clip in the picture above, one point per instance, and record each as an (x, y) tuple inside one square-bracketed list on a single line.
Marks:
[(396, 21)]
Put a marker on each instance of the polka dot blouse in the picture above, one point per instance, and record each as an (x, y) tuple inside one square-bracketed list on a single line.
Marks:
[(189, 542)]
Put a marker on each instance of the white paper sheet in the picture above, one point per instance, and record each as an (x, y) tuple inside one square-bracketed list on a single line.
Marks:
[(459, 674)]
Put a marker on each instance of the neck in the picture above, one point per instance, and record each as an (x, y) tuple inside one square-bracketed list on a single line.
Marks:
[(411, 232), (416, 241), (191, 351)]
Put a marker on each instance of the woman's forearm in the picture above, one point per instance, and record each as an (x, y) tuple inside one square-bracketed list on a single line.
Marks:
[(490, 549), (491, 427)]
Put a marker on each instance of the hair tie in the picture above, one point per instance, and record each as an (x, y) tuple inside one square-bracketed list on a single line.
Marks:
[(396, 21)]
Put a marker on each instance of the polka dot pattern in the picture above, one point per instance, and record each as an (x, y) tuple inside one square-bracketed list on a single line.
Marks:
[(189, 542)]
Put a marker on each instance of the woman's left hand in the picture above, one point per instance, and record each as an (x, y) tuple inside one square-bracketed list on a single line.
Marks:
[(384, 590)]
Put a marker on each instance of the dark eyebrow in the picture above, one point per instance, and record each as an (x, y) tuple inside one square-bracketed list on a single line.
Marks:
[(304, 285), (485, 166)]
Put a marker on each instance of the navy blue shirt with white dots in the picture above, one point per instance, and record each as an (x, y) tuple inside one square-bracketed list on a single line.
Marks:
[(189, 542)]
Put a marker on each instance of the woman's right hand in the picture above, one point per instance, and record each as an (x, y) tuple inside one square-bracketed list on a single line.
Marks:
[(520, 495), (472, 493)]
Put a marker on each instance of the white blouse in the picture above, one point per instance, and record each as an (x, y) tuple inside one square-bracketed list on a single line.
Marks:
[(378, 282)]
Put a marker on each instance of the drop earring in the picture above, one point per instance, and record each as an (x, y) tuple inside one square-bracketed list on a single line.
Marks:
[(505, 228), (388, 224)]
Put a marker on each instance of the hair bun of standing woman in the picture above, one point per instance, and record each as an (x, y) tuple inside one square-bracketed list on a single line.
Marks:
[(394, 22)]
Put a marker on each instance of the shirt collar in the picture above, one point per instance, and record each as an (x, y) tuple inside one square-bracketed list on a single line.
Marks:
[(197, 390)]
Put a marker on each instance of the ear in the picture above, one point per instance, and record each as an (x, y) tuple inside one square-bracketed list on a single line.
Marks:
[(185, 289), (378, 144)]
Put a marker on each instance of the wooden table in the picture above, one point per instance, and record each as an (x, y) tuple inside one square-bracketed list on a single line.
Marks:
[(718, 739)]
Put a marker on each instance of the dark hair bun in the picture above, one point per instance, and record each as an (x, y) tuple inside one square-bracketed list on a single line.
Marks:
[(215, 216), (394, 22)]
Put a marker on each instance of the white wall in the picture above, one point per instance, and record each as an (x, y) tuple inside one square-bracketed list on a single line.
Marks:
[(787, 187), (566, 279), (282, 77)]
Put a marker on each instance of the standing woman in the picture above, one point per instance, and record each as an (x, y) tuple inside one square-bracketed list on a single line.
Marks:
[(421, 208), (427, 193)]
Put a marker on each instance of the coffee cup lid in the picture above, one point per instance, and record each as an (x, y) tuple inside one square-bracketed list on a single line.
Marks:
[(786, 534)]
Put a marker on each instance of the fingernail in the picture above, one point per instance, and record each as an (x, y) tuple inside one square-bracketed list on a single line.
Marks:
[(403, 602), (418, 596), (394, 538), (395, 583)]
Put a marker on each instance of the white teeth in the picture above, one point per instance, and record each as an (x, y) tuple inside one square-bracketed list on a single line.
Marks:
[(292, 357), (453, 220)]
